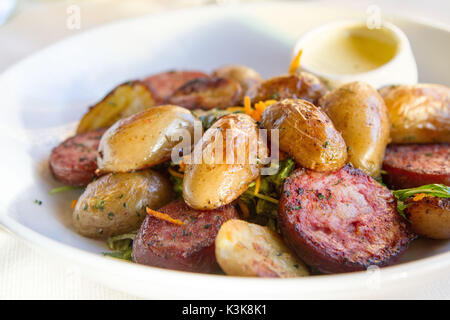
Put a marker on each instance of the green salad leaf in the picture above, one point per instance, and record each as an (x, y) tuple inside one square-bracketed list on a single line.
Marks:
[(64, 188), (210, 116), (122, 246), (263, 207), (435, 190), (177, 185)]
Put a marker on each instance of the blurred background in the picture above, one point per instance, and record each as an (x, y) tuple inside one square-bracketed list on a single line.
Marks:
[(27, 26)]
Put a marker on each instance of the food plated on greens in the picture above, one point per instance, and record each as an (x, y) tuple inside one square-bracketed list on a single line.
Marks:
[(331, 180)]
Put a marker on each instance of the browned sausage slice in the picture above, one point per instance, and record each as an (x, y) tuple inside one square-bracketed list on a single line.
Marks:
[(341, 221), (188, 247), (207, 93), (165, 83), (297, 86), (414, 165), (74, 161)]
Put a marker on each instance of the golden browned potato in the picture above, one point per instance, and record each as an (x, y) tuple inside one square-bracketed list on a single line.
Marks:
[(358, 112), (430, 217), (250, 250), (145, 139), (306, 133), (115, 203), (418, 113), (296, 86), (223, 165), (245, 76), (126, 99), (207, 93)]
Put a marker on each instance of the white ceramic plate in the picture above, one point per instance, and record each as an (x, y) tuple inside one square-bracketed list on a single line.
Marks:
[(44, 96)]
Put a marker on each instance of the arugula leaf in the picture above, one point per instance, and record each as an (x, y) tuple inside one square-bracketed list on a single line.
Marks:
[(122, 245), (209, 117), (63, 188), (262, 211), (177, 185), (435, 190)]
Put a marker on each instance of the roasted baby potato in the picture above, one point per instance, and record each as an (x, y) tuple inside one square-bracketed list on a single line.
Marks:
[(358, 112), (430, 217), (224, 163), (245, 76), (115, 203), (418, 113), (297, 86), (145, 139), (306, 133), (126, 99), (207, 93), (250, 250)]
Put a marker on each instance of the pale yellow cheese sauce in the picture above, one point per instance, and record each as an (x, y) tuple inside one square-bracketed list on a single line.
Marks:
[(349, 50)]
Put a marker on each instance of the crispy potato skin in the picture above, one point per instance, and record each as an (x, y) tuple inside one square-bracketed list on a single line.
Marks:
[(207, 93), (430, 217), (306, 133), (144, 139), (115, 203), (358, 112), (302, 85), (212, 180), (418, 113), (126, 99), (245, 76), (250, 250)]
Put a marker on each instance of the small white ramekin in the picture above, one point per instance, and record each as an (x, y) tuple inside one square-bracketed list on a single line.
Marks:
[(401, 69)]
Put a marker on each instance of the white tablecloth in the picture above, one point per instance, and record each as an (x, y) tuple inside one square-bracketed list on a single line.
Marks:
[(27, 272)]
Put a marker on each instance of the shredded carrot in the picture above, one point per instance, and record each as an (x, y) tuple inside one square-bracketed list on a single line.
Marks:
[(247, 105), (182, 166), (174, 173), (232, 109), (74, 203), (267, 198), (257, 185), (295, 62), (420, 196), (163, 216), (244, 209)]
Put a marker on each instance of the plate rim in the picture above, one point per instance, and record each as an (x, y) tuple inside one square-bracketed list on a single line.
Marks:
[(422, 269)]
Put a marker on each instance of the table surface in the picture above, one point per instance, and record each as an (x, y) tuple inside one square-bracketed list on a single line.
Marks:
[(27, 272)]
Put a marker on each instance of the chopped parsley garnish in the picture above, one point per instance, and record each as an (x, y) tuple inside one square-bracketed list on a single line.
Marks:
[(275, 96)]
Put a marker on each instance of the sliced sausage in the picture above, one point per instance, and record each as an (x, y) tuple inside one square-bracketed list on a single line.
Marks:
[(207, 93), (74, 161), (414, 165), (187, 247), (341, 221), (297, 86), (165, 83)]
